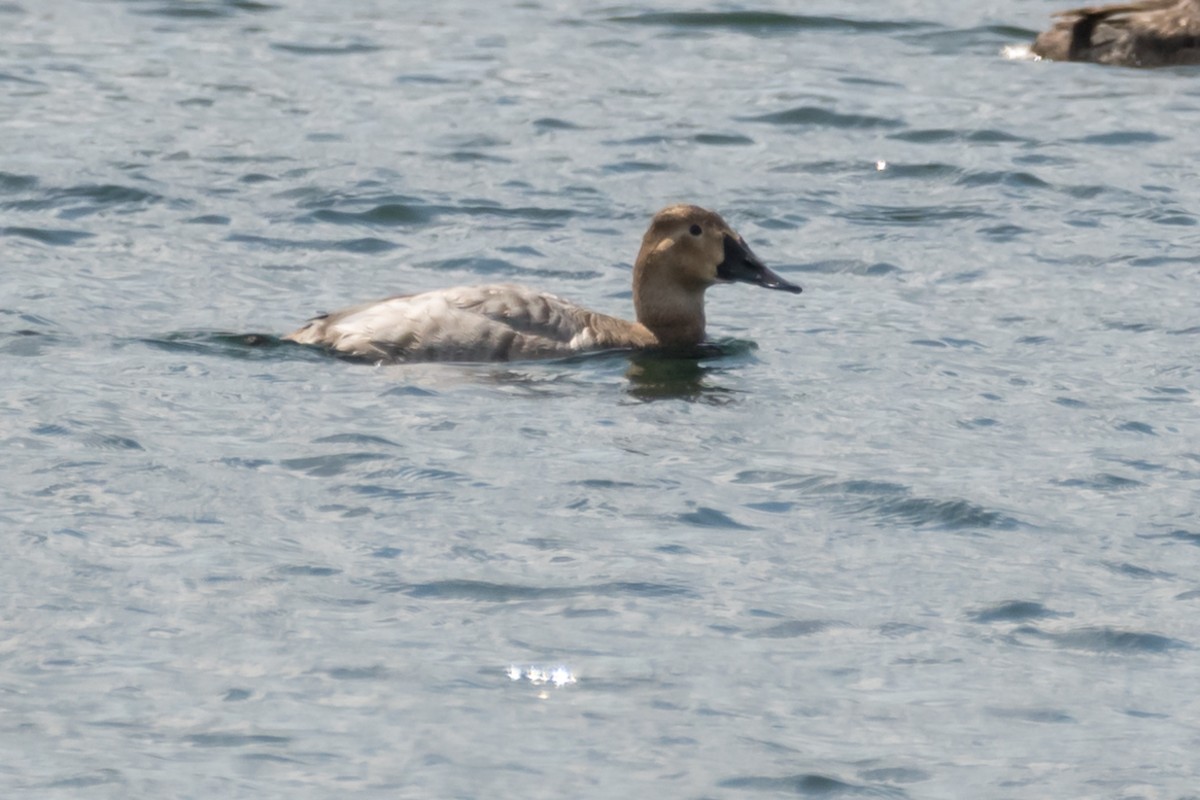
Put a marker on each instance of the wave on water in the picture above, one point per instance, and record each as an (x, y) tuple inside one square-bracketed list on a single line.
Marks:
[(498, 268), (351, 48), (57, 237), (82, 433), (1040, 715), (31, 335), (815, 116), (367, 244), (73, 201), (330, 464), (202, 10), (244, 346), (913, 215), (488, 592), (387, 214), (944, 41), (885, 502), (1103, 639), (399, 211), (764, 22), (942, 135), (675, 374), (812, 784), (1012, 611)]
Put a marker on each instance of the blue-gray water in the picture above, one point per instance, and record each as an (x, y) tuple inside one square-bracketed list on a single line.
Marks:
[(928, 530)]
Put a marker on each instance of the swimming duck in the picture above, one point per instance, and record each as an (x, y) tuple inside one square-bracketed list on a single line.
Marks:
[(1146, 33), (686, 250)]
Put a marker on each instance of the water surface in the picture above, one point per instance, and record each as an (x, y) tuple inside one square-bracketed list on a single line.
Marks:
[(928, 530)]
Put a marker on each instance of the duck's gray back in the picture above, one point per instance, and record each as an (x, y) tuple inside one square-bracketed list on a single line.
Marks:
[(466, 323)]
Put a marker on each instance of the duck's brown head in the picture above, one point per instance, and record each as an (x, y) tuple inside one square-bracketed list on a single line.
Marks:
[(686, 250)]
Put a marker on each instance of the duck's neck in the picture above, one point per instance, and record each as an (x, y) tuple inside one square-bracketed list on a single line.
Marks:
[(674, 314)]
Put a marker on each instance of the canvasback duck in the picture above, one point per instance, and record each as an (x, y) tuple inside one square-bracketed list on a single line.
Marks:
[(1144, 33), (686, 250)]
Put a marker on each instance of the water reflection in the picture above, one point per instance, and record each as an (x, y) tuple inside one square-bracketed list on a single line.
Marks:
[(684, 376), (692, 375), (226, 344)]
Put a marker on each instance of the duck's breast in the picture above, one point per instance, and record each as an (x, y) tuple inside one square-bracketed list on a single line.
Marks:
[(466, 323)]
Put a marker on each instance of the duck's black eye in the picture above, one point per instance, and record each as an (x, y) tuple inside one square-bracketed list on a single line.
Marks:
[(695, 230)]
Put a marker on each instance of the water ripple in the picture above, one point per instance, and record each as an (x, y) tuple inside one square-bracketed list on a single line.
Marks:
[(12, 182), (1004, 178), (1179, 534), (392, 493), (1052, 716), (812, 785), (352, 48), (943, 135), (250, 346), (98, 777), (530, 213), (215, 9), (1102, 482), (815, 116), (491, 268), (912, 215), (958, 40), (327, 465), (1122, 138), (387, 214), (849, 266), (55, 237), (554, 124), (105, 441), (27, 343), (508, 592), (84, 199), (398, 210), (1103, 639), (792, 629), (763, 22), (704, 517), (367, 245), (919, 171), (358, 673), (946, 514), (886, 501), (355, 438), (722, 139), (1013, 611), (623, 167), (231, 739), (307, 571)]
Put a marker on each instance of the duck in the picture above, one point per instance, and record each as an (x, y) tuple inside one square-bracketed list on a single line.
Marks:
[(685, 250), (1144, 33)]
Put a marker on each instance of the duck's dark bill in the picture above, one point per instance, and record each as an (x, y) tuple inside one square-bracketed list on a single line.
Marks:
[(742, 265)]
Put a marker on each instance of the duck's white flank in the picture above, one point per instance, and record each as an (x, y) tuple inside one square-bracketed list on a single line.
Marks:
[(686, 250)]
